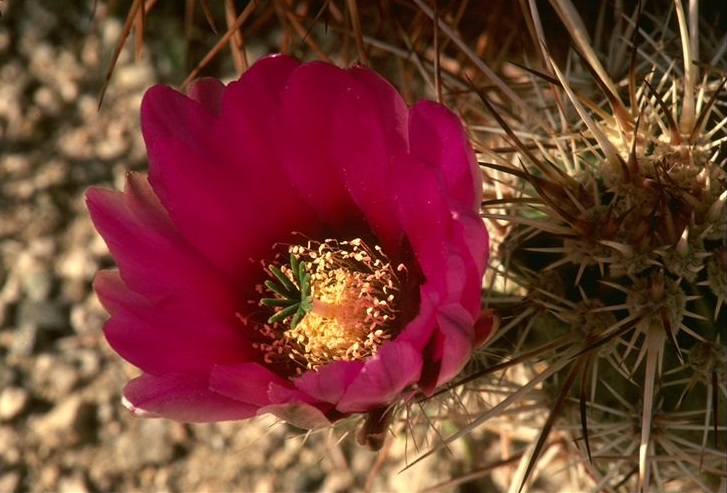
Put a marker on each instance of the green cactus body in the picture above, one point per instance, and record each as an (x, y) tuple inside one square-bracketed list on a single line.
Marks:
[(615, 237)]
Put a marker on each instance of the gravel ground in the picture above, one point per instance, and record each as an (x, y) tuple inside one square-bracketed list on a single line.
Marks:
[(62, 426)]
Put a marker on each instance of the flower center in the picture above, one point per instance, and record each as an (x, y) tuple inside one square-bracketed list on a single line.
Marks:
[(333, 301)]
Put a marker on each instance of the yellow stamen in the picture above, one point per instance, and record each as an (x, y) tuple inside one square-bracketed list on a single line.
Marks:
[(355, 291)]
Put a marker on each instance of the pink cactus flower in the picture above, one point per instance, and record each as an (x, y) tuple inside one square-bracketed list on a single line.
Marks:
[(305, 245)]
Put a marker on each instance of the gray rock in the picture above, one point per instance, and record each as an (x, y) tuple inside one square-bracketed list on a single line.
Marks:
[(23, 340), (37, 284), (88, 317), (8, 376), (48, 315), (71, 421), (156, 448), (39, 325), (53, 377)]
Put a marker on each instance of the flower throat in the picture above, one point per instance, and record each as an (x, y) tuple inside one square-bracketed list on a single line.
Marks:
[(334, 301)]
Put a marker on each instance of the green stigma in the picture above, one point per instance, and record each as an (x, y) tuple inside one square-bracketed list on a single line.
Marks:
[(293, 292)]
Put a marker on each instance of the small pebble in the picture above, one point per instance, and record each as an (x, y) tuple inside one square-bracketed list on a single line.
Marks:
[(13, 401)]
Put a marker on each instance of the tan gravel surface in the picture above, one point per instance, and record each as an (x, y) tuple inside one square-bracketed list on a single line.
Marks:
[(62, 426)]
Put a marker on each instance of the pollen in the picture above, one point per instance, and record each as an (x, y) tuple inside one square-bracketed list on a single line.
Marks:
[(347, 309)]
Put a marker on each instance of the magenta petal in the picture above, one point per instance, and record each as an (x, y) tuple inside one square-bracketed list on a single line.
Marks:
[(359, 145), (220, 175), (329, 383), (268, 77), (436, 136), (473, 239), (246, 382), (183, 398), (392, 114), (201, 201), (472, 244), (420, 329), (449, 244), (370, 128), (166, 340), (308, 114), (484, 326), (425, 217), (208, 92), (396, 366), (167, 113), (154, 260), (288, 153), (457, 341)]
